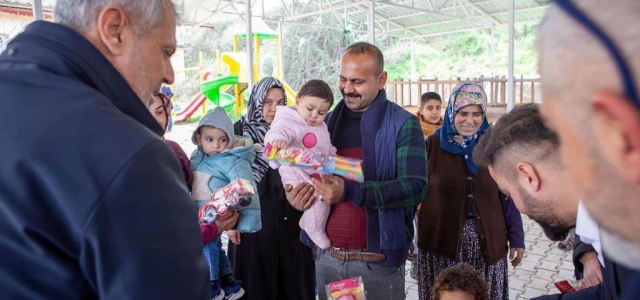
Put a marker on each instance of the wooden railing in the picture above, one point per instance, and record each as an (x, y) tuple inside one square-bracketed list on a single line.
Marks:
[(407, 93)]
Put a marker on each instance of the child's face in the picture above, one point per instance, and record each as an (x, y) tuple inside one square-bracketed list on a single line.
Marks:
[(212, 140), (456, 295), (312, 109), (431, 111)]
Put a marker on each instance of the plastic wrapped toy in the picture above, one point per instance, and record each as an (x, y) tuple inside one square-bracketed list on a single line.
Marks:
[(235, 195), (346, 167), (348, 289)]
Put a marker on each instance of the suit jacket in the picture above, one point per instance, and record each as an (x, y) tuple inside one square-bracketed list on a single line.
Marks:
[(614, 276)]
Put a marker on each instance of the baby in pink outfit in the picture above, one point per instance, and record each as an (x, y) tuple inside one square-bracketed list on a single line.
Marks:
[(303, 126)]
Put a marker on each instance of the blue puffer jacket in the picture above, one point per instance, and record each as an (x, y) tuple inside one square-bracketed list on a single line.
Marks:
[(225, 167)]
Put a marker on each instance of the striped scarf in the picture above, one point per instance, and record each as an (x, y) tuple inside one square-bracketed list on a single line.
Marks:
[(255, 126)]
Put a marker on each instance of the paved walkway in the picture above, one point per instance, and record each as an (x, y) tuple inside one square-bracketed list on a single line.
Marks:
[(543, 263)]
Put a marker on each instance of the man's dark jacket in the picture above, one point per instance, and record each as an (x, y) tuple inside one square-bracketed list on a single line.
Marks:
[(614, 276), (92, 200)]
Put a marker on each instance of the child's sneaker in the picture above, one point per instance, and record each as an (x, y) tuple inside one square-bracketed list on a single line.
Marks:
[(233, 291), (216, 292)]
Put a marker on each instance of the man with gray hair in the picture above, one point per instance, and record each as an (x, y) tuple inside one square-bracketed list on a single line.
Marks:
[(589, 66), (93, 204)]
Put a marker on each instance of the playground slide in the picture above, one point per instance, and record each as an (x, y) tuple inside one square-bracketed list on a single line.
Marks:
[(209, 90), (191, 107)]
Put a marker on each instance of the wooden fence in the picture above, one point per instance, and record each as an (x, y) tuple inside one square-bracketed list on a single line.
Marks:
[(407, 93)]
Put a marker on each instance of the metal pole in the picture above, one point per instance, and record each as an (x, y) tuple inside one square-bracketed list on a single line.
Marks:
[(37, 10), (280, 53), (372, 23), (249, 38), (493, 52), (346, 19), (256, 58), (413, 62), (510, 82)]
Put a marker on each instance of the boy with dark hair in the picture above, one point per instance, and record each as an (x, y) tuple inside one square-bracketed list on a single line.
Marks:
[(460, 282), (430, 113)]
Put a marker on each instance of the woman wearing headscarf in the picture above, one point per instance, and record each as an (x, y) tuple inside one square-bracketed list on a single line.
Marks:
[(272, 263), (464, 217)]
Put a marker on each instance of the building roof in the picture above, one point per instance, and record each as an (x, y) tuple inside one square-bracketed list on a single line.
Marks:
[(399, 18)]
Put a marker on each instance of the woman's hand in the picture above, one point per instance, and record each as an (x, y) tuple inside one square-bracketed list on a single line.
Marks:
[(515, 256), (227, 221), (234, 236), (300, 197)]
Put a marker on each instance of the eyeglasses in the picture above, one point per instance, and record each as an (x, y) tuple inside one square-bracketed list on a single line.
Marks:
[(627, 77)]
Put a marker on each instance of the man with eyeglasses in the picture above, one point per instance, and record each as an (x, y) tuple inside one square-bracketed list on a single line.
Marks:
[(589, 66)]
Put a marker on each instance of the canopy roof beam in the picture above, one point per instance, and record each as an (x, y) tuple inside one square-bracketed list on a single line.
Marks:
[(424, 11), (477, 18), (286, 9), (479, 9), (396, 23), (442, 9), (213, 13), (324, 10), (314, 25)]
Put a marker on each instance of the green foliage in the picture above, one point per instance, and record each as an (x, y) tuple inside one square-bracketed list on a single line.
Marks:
[(196, 41), (314, 53), (466, 54), (207, 40)]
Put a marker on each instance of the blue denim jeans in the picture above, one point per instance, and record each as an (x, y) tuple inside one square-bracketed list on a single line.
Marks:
[(380, 283), (219, 264)]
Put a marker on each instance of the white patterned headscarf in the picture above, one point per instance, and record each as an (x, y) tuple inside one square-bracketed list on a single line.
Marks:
[(255, 126)]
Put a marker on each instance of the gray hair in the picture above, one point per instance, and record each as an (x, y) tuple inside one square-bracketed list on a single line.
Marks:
[(81, 14), (574, 65)]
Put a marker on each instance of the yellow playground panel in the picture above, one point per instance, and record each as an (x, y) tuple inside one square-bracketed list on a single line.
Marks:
[(236, 62), (226, 87)]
